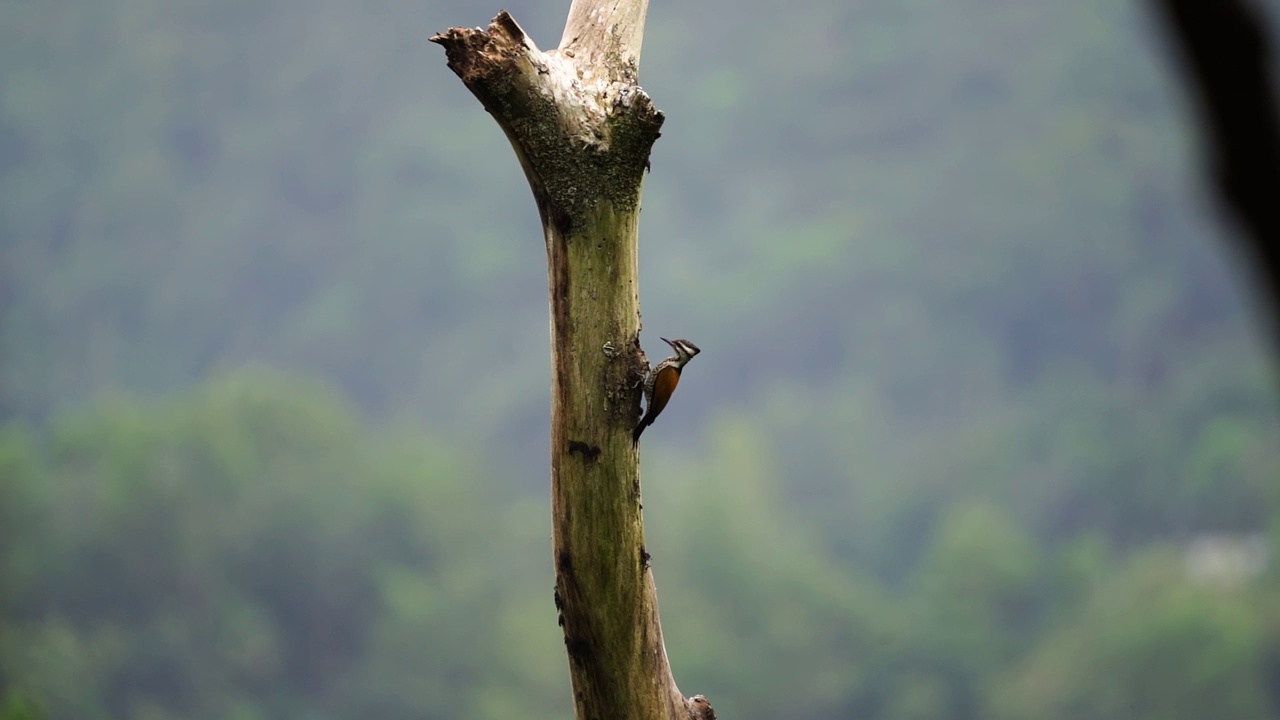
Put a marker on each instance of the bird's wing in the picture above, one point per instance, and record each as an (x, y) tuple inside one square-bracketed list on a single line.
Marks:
[(663, 387)]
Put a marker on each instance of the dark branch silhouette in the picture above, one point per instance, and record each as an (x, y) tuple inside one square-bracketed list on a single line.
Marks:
[(1226, 61)]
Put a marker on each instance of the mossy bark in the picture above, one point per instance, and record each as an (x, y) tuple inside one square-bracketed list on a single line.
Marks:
[(582, 129)]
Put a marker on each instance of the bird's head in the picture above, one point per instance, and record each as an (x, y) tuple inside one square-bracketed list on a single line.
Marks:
[(685, 350)]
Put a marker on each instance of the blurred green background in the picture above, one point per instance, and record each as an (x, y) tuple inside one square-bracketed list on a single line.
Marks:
[(984, 427)]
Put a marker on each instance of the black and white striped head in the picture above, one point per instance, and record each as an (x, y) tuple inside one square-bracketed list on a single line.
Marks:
[(685, 350)]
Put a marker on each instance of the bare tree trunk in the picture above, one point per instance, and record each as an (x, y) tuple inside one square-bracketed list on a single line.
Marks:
[(582, 129)]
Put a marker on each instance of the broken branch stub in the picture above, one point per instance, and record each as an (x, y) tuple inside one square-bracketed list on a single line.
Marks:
[(581, 134)]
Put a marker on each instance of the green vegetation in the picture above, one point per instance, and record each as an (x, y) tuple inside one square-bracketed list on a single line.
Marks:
[(273, 371), (244, 549)]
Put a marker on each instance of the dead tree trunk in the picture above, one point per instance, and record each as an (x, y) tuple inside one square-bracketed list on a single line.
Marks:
[(582, 129)]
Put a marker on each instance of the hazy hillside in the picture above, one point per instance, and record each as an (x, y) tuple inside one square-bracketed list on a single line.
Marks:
[(977, 364)]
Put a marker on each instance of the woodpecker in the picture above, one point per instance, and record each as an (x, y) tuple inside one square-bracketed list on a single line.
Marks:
[(661, 382)]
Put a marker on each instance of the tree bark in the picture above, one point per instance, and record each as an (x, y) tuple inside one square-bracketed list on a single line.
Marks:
[(582, 130)]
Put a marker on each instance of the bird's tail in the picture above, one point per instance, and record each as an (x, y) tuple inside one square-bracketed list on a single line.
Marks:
[(635, 434)]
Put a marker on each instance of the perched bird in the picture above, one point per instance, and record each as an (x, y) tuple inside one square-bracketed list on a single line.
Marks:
[(661, 382)]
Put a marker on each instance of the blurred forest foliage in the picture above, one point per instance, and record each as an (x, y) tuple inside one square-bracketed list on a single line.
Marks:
[(273, 367)]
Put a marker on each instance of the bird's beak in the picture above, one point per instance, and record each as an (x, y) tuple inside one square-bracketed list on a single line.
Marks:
[(667, 342)]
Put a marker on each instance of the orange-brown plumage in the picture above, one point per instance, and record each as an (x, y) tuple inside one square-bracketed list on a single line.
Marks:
[(663, 386)]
